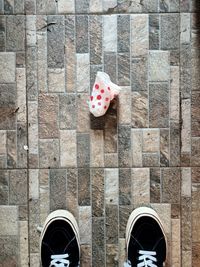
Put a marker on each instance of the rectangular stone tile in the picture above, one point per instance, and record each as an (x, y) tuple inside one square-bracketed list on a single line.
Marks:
[(67, 107), (194, 71), (186, 258), (21, 145), (110, 130), (171, 185), (98, 242), (7, 95), (72, 191), (18, 187), (82, 73), (57, 189), (7, 67), (139, 35), (48, 108), (55, 35), (111, 255), (83, 117), (30, 7), (140, 185), (186, 223), (95, 34), (195, 212), (9, 7), (159, 105), (70, 53), (86, 255), (174, 94), (34, 183), (42, 61), (176, 246), (68, 147), (124, 146), (110, 33), (66, 7), (15, 35), (159, 66), (56, 80), (154, 29), (2, 32), (84, 187), (96, 149), (195, 254), (83, 150), (34, 258), (174, 144), (85, 224), (96, 6), (8, 250), (136, 143), (139, 74), (4, 187), (140, 110), (195, 123), (123, 33), (111, 222), (19, 6), (111, 160), (9, 221), (186, 182), (155, 185), (97, 187), (124, 213), (196, 174), (110, 65), (169, 31), (124, 107), (31, 73), (186, 126), (34, 221), (151, 159), (164, 147), (150, 140), (184, 7), (23, 243), (82, 7), (46, 7), (21, 94), (82, 39), (109, 5), (3, 150), (31, 30), (124, 186), (7, 118), (49, 153), (123, 61), (122, 251), (44, 194), (111, 186), (1, 7), (185, 23)]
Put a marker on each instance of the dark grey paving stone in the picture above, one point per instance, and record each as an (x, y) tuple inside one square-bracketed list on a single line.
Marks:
[(155, 185), (82, 34), (159, 105), (174, 144), (154, 29), (124, 212), (95, 33), (169, 27), (84, 187), (18, 187), (186, 225), (123, 60), (9, 246), (30, 7), (110, 61), (124, 145), (31, 73), (15, 33), (7, 95), (151, 159), (111, 224), (11, 149), (72, 190), (57, 189), (83, 150), (4, 187), (124, 186), (34, 221), (21, 142), (97, 182), (8, 7), (123, 33), (67, 107), (55, 41), (139, 74), (98, 242), (2, 32)]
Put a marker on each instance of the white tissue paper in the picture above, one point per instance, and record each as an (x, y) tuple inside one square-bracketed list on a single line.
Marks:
[(102, 93)]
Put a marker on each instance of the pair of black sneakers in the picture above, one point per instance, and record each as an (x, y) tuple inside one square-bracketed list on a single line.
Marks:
[(145, 240)]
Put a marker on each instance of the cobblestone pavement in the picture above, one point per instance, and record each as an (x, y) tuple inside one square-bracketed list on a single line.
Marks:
[(144, 151)]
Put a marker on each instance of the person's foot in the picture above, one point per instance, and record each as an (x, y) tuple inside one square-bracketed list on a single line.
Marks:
[(145, 239), (59, 242)]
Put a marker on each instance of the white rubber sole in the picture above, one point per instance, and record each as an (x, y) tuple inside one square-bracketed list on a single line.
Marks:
[(138, 213), (61, 215)]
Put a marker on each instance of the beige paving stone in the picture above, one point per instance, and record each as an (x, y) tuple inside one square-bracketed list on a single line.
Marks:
[(164, 212), (42, 60), (7, 67), (136, 139), (176, 246), (56, 80), (34, 260), (44, 194), (23, 243), (110, 33), (140, 185), (111, 186), (122, 251), (96, 148), (66, 6), (186, 125), (125, 106), (86, 256), (85, 224), (150, 142), (186, 258), (34, 184), (9, 220), (2, 143), (139, 35), (159, 66), (68, 153), (111, 160), (31, 30), (109, 4), (33, 127), (82, 73), (174, 93), (195, 212), (186, 182), (83, 116), (21, 94), (112, 255), (139, 112)]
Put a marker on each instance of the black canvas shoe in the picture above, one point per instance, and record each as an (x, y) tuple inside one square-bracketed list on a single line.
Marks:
[(145, 239), (59, 242)]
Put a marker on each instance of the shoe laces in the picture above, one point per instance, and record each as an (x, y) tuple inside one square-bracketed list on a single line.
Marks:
[(147, 259), (59, 260)]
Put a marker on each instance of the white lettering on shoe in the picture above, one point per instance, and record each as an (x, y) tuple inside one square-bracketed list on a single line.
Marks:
[(147, 259), (59, 260)]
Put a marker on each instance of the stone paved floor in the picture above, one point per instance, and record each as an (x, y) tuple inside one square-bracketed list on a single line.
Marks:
[(144, 151)]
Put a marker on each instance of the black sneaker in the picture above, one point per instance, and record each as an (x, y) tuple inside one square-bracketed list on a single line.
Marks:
[(145, 239), (59, 243)]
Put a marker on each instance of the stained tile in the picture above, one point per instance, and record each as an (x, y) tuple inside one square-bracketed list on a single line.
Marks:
[(97, 182), (139, 74), (140, 185), (139, 110), (111, 186), (95, 33), (85, 223), (195, 254), (84, 187), (111, 222), (98, 242), (155, 185), (111, 255), (49, 153), (124, 143), (124, 186)]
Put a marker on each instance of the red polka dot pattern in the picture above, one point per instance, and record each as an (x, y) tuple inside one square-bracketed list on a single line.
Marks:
[(105, 107), (93, 106), (109, 88), (99, 97), (99, 103), (102, 91), (107, 99), (96, 86), (91, 98)]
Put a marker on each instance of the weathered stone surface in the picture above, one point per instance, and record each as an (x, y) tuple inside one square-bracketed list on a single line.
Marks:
[(195, 253), (4, 187), (111, 255), (84, 187), (3, 143), (110, 33), (155, 185), (31, 73), (7, 118), (42, 59), (68, 148), (9, 221), (111, 224), (49, 153), (186, 223), (2, 32), (83, 118), (98, 242), (176, 244), (196, 174), (21, 95), (154, 29), (33, 131), (110, 131), (124, 212), (82, 34), (184, 7), (124, 105), (123, 61), (139, 74), (151, 160), (159, 66), (83, 150), (186, 182), (123, 33), (66, 7), (195, 212), (150, 141), (85, 224), (136, 141), (186, 125), (31, 30), (164, 147), (56, 80), (174, 94), (96, 148), (124, 146), (23, 243), (140, 185), (30, 7), (97, 183), (48, 116), (55, 41), (7, 95), (111, 160), (34, 221), (159, 105), (139, 110), (86, 255), (8, 250), (18, 187), (96, 6), (72, 191), (9, 7), (82, 7), (95, 33), (21, 144), (82, 73), (34, 184), (19, 6), (124, 186), (111, 186), (46, 7), (110, 65), (195, 109), (7, 67), (174, 144)]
